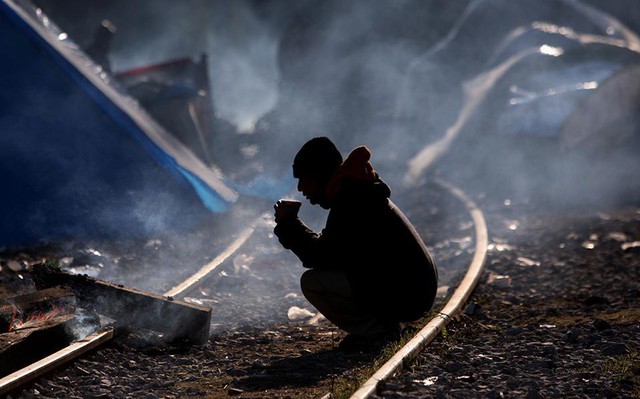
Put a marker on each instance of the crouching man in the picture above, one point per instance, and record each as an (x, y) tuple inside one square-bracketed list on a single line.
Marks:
[(369, 270)]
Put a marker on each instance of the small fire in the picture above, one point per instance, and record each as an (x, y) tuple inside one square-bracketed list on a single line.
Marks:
[(18, 322)]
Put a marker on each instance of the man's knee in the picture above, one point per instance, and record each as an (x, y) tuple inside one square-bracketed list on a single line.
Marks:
[(324, 282), (308, 282)]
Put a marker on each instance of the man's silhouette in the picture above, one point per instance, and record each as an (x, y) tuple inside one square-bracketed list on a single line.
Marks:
[(369, 268)]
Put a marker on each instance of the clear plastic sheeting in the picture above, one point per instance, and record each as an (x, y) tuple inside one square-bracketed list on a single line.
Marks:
[(587, 124)]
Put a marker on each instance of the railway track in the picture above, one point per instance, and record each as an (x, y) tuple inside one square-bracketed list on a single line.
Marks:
[(392, 366)]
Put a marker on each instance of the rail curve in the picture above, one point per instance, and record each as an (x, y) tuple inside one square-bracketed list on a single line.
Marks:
[(452, 308)]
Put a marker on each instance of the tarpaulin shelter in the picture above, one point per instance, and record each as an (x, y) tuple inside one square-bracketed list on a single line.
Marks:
[(78, 155)]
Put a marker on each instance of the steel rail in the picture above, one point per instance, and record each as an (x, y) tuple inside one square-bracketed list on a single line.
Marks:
[(211, 266), (452, 308)]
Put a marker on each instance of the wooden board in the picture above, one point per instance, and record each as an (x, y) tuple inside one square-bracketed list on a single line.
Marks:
[(35, 370), (24, 346), (130, 307)]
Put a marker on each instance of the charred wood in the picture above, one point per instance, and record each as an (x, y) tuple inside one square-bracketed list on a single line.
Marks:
[(28, 344), (130, 307)]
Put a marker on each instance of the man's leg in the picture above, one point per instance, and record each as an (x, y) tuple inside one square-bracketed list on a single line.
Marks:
[(329, 292)]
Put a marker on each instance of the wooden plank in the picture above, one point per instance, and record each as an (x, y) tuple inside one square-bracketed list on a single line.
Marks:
[(26, 345), (40, 298), (130, 307), (35, 370)]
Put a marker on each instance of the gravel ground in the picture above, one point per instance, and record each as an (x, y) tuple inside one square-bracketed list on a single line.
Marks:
[(556, 315), (265, 340)]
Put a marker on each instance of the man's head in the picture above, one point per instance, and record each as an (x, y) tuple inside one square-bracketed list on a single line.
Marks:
[(313, 166)]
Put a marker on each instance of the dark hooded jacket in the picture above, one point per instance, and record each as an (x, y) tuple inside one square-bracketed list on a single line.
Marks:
[(366, 236)]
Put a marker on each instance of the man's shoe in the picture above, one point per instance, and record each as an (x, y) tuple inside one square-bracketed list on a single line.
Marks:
[(353, 343)]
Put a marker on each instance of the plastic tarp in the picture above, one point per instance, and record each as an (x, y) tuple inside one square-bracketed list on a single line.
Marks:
[(78, 156)]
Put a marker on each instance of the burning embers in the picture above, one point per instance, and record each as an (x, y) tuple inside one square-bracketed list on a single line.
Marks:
[(33, 309), (34, 319), (35, 325)]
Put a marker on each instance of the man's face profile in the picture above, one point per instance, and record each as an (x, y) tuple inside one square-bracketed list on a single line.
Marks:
[(310, 189)]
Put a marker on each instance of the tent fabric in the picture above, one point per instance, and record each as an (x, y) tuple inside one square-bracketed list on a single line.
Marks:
[(78, 156)]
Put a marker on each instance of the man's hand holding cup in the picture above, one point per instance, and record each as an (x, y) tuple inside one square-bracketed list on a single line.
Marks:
[(285, 209)]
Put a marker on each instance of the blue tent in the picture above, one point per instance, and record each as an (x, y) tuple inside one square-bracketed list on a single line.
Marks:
[(80, 157)]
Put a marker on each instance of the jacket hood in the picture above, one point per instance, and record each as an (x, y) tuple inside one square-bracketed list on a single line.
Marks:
[(356, 167)]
